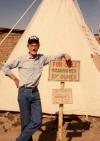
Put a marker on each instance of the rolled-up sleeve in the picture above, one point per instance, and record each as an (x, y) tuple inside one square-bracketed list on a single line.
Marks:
[(47, 59), (6, 68)]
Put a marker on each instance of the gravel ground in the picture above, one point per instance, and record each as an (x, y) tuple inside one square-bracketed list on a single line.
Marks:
[(75, 128)]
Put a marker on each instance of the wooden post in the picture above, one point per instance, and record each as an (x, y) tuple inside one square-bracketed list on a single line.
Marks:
[(63, 96), (60, 120), (60, 123)]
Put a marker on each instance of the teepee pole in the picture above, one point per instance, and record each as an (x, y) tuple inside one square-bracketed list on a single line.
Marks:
[(18, 21)]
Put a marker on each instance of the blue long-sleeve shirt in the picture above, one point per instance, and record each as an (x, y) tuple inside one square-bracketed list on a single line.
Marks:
[(30, 69)]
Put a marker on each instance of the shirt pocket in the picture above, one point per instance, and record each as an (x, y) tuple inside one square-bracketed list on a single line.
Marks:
[(27, 65)]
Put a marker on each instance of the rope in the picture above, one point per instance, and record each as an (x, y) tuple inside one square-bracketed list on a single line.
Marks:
[(18, 21)]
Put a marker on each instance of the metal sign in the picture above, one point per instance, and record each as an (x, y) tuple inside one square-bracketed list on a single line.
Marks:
[(62, 96), (59, 71)]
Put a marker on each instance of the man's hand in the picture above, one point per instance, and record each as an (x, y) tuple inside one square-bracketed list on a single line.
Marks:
[(66, 56), (68, 59), (16, 81), (14, 78)]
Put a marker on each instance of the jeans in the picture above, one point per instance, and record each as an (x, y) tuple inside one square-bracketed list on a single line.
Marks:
[(30, 112)]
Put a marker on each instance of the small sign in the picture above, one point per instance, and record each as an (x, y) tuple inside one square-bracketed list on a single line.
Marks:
[(62, 96), (59, 71)]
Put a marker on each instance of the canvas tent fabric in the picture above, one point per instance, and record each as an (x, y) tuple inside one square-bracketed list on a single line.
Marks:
[(61, 29)]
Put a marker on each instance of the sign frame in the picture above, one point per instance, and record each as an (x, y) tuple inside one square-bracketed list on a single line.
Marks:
[(73, 61)]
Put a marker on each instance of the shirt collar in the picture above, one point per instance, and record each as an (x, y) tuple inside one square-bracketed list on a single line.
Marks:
[(30, 57)]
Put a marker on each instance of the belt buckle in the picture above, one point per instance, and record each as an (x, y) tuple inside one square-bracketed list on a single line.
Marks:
[(25, 86), (33, 88)]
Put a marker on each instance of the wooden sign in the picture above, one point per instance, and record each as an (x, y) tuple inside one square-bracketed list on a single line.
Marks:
[(59, 71), (62, 96)]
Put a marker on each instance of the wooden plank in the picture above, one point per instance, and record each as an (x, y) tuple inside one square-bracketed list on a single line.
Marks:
[(62, 96)]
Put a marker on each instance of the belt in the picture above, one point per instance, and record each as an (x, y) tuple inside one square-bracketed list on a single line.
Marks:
[(32, 88)]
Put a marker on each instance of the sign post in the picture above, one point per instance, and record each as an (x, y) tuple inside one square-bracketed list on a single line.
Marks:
[(60, 120), (59, 71)]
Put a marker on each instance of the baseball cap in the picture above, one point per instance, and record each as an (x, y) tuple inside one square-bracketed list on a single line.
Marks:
[(33, 39)]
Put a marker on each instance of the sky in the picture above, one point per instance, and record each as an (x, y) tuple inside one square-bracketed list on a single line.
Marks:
[(11, 11)]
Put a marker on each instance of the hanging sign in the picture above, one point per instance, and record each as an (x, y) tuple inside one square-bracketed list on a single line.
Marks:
[(59, 71), (62, 96)]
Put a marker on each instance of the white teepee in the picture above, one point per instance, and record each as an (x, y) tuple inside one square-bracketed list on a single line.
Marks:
[(61, 28)]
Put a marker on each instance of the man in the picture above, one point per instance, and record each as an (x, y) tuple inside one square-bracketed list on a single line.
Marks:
[(30, 68)]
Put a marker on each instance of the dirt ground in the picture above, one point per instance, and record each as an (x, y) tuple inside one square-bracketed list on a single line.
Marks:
[(75, 128)]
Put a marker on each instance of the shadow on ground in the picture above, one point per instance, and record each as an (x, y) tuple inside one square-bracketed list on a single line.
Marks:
[(76, 127), (50, 131), (73, 127)]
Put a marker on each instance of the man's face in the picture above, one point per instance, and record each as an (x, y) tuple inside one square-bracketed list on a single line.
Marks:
[(33, 48)]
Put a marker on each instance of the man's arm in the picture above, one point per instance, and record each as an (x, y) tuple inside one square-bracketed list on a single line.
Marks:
[(66, 56), (14, 78), (47, 59), (6, 69)]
